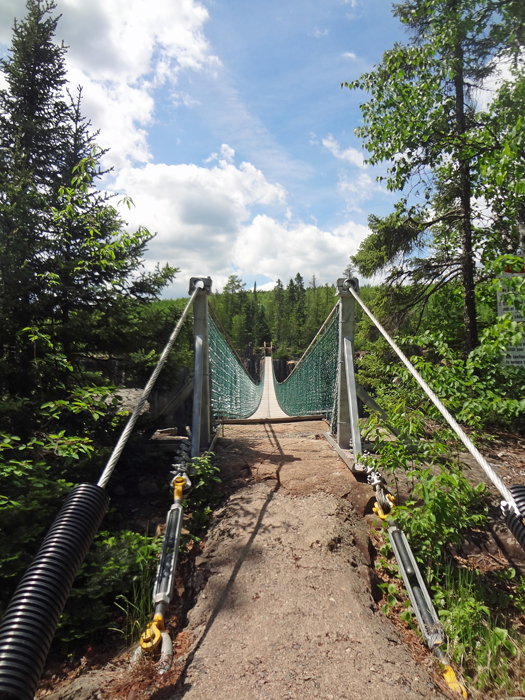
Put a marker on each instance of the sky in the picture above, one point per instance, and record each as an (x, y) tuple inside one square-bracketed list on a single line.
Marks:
[(228, 127)]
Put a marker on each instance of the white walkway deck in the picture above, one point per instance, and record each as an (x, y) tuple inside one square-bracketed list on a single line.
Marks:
[(268, 408)]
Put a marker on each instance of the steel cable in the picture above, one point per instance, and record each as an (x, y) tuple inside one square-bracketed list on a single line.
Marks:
[(498, 483), (115, 455)]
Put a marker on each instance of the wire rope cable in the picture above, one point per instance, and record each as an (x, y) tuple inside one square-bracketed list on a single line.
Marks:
[(119, 447), (498, 483)]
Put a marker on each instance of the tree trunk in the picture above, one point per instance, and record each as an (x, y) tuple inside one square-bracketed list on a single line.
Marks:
[(467, 263)]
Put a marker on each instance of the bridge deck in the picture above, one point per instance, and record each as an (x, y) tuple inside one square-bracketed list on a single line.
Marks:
[(268, 408)]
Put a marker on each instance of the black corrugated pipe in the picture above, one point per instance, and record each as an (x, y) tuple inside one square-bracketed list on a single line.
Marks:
[(30, 621), (515, 525)]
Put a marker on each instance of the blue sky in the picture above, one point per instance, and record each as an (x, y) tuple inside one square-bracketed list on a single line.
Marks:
[(228, 126)]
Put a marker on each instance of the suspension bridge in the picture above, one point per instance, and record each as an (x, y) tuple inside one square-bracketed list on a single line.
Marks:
[(321, 386)]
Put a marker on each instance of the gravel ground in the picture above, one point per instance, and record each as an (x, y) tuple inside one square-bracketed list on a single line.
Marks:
[(287, 609)]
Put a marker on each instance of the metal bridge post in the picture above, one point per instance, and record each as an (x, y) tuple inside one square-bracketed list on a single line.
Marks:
[(201, 424), (347, 411)]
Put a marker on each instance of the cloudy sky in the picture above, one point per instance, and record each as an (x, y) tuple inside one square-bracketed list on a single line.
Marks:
[(228, 127)]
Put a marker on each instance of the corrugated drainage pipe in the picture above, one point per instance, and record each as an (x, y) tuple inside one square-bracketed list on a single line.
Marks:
[(30, 621)]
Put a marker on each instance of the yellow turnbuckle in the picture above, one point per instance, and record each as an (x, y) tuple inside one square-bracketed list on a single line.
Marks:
[(178, 484), (452, 681)]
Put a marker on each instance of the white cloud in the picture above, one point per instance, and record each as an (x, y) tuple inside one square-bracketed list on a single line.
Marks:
[(318, 33), (120, 52), (197, 211), (269, 247), (352, 155), (227, 153), (349, 54), (205, 224), (358, 190), (267, 287), (182, 98)]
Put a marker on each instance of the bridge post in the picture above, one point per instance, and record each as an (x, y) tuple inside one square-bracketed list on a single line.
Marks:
[(347, 411), (201, 424)]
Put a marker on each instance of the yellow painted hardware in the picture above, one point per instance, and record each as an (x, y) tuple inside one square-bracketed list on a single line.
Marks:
[(452, 681), (150, 639), (379, 511), (178, 484)]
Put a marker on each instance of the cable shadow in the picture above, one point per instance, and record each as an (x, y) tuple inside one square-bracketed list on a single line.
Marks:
[(179, 688)]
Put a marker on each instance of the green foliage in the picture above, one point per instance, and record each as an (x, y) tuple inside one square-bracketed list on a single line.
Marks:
[(205, 494), (442, 508), (288, 317), (119, 567), (441, 151), (389, 591), (478, 610), (72, 286), (479, 389), (479, 637)]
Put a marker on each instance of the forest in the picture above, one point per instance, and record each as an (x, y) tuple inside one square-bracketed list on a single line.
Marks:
[(75, 299), (288, 316)]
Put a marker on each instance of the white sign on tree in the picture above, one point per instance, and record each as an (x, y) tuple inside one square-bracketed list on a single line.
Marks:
[(515, 353)]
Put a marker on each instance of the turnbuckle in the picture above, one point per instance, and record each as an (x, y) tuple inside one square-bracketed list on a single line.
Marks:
[(425, 613)]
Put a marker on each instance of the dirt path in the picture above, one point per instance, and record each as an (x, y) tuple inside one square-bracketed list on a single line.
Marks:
[(286, 607), (284, 588)]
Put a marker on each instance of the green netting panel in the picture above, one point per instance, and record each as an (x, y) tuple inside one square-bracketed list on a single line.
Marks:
[(233, 392), (312, 386)]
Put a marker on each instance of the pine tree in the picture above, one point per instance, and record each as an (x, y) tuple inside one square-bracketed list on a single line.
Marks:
[(422, 119), (63, 246), (32, 129), (279, 304)]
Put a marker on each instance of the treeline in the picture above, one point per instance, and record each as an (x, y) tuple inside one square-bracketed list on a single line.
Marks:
[(288, 316)]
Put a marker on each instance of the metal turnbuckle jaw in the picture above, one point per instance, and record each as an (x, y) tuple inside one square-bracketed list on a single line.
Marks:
[(384, 500), (180, 484), (155, 639)]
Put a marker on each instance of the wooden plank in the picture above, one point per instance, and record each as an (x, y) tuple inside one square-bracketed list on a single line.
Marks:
[(288, 419)]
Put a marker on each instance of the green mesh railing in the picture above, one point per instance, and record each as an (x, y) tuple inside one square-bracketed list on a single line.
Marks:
[(312, 386), (233, 392)]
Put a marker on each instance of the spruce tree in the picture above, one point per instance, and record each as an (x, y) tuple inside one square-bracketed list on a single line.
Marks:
[(92, 261), (33, 117), (64, 250)]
